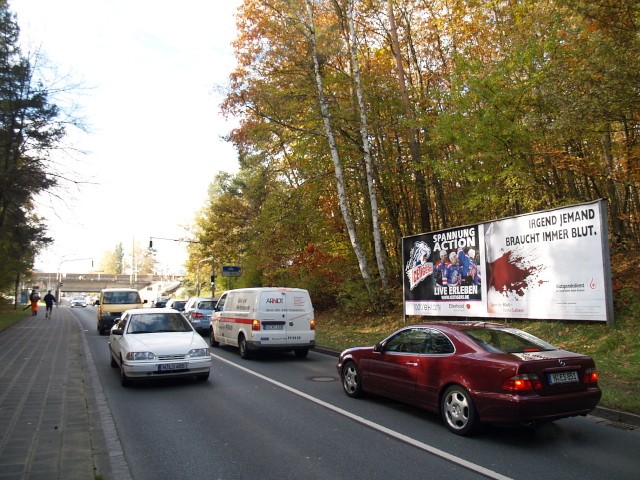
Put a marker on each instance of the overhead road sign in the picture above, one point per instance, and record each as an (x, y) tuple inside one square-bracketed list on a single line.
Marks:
[(231, 271)]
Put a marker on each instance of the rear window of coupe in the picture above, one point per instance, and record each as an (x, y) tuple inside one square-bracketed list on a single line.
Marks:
[(507, 340)]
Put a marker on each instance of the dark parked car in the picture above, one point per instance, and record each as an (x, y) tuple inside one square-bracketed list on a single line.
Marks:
[(160, 302), (472, 373), (176, 304)]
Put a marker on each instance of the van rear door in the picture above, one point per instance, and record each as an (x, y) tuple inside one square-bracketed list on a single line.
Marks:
[(273, 316)]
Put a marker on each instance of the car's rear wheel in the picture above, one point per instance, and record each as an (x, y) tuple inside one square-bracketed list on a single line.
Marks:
[(212, 338), (114, 364), (301, 352), (244, 349), (458, 411), (351, 380)]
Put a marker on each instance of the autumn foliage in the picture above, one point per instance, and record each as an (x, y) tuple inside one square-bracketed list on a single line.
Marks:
[(473, 111)]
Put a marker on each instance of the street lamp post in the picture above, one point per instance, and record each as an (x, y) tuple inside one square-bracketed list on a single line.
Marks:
[(59, 275), (198, 275)]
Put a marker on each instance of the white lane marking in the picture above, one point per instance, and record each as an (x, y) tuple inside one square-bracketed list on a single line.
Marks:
[(392, 433)]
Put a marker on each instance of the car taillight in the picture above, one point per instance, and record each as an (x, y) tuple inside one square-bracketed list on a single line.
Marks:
[(590, 376), (522, 383), (312, 324), (197, 315), (255, 325)]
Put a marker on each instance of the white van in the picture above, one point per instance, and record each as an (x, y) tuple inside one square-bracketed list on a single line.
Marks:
[(266, 318)]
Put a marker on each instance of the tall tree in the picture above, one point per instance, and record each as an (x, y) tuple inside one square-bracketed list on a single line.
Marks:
[(30, 127), (333, 148), (366, 149)]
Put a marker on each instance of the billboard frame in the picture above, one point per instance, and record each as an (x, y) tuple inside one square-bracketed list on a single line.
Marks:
[(553, 252)]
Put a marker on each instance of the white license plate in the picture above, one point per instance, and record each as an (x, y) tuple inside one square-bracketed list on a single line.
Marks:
[(172, 366), (272, 327), (563, 377)]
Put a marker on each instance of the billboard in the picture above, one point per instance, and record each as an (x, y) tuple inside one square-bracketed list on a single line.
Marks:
[(545, 265)]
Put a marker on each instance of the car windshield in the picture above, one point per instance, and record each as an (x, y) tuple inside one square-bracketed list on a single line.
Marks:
[(121, 297), (507, 340), (158, 322)]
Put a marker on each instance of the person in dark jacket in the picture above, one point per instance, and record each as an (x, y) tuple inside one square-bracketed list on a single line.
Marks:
[(49, 300)]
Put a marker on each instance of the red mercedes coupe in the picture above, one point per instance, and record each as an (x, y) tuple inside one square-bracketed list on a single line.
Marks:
[(473, 373)]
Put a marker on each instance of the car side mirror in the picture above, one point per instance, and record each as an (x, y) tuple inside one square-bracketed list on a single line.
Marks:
[(117, 331), (144, 301), (378, 348), (97, 302)]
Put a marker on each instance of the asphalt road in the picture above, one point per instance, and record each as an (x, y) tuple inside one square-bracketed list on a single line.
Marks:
[(278, 417)]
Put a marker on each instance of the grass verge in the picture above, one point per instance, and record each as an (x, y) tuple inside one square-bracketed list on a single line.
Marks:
[(9, 316)]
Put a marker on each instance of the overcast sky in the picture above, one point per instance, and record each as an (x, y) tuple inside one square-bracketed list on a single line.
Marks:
[(149, 71)]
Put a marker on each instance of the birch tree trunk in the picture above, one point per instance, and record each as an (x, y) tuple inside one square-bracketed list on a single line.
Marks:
[(335, 155), (364, 132), (414, 145)]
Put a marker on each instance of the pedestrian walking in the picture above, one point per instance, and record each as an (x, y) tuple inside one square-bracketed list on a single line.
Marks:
[(34, 298), (49, 300)]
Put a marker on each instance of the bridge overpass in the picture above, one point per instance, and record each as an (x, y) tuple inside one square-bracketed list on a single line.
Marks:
[(94, 282)]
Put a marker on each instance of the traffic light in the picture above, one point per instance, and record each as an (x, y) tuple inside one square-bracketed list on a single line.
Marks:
[(151, 245), (213, 279)]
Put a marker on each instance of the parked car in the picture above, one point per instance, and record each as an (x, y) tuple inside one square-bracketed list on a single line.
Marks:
[(198, 311), (160, 302), (78, 302), (472, 373), (176, 304), (152, 343)]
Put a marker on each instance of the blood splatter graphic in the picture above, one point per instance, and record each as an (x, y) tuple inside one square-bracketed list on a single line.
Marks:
[(509, 274)]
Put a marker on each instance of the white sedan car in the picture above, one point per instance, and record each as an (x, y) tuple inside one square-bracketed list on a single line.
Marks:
[(148, 343), (78, 302)]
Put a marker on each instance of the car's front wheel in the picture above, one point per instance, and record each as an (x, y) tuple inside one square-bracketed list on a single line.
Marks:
[(351, 380), (458, 411), (124, 380)]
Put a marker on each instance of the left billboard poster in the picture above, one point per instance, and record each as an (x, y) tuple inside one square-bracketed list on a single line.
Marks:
[(443, 272)]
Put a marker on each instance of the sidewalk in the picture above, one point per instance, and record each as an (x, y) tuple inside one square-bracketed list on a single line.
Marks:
[(51, 422)]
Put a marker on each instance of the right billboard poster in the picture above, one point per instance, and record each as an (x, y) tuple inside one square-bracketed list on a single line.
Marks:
[(545, 265)]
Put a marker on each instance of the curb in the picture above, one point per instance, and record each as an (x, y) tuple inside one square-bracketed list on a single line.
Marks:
[(617, 416)]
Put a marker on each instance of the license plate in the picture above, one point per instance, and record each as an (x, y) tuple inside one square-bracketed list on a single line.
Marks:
[(272, 327), (165, 367), (563, 377)]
